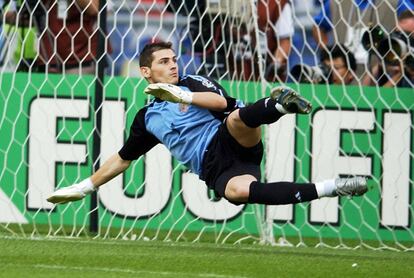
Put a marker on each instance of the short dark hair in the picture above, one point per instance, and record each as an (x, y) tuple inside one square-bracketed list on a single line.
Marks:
[(146, 58), (339, 51), (406, 14)]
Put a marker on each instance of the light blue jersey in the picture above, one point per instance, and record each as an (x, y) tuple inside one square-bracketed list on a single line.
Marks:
[(186, 130)]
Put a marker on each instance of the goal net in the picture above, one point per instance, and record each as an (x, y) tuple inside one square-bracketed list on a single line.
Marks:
[(70, 87)]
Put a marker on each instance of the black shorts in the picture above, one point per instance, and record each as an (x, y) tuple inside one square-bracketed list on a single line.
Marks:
[(226, 158)]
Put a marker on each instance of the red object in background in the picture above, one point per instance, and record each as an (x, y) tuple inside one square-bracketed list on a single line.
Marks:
[(268, 12), (68, 41), (152, 1)]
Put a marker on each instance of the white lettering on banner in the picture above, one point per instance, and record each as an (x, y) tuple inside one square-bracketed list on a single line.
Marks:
[(45, 151), (195, 196), (280, 161), (157, 170), (327, 163), (395, 205)]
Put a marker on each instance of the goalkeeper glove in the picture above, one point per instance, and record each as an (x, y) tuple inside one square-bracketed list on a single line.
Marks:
[(71, 193), (169, 92)]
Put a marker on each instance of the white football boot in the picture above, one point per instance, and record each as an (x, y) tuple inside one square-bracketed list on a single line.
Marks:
[(356, 186)]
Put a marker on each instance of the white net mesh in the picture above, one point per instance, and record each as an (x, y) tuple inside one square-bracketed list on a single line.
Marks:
[(352, 59)]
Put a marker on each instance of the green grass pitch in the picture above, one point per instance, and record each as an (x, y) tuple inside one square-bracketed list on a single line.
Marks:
[(22, 257)]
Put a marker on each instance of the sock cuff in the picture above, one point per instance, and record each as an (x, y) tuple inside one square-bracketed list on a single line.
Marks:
[(281, 109), (325, 188), (320, 189)]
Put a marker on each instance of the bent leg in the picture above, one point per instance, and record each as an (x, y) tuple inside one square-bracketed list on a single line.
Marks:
[(244, 135), (243, 124)]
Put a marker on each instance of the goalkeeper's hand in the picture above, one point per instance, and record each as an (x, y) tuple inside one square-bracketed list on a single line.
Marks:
[(71, 193), (169, 92)]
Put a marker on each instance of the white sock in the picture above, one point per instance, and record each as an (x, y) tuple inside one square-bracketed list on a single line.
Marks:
[(325, 188), (86, 186), (281, 109)]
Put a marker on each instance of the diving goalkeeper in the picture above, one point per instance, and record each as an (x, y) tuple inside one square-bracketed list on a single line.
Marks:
[(211, 133)]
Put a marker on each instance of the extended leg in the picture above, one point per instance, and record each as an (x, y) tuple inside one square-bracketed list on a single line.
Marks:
[(246, 189)]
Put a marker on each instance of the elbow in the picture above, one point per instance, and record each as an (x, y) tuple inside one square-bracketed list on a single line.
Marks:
[(125, 163), (222, 104), (122, 163)]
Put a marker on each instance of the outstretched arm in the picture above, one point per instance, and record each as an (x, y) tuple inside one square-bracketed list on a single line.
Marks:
[(114, 166), (110, 169), (139, 142)]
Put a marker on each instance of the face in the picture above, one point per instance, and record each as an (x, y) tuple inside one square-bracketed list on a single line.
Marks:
[(164, 68), (407, 26), (340, 72)]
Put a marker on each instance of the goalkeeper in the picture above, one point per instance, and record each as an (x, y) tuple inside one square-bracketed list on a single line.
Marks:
[(212, 134)]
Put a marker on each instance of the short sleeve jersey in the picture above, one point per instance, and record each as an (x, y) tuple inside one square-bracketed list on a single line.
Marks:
[(186, 130)]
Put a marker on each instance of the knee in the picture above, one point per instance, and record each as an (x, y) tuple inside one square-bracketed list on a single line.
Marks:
[(237, 126), (237, 192), (234, 119)]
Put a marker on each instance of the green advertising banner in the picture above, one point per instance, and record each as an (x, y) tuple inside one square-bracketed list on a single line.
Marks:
[(46, 131)]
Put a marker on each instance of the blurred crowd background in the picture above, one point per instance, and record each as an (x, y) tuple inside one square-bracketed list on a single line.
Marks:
[(361, 42)]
